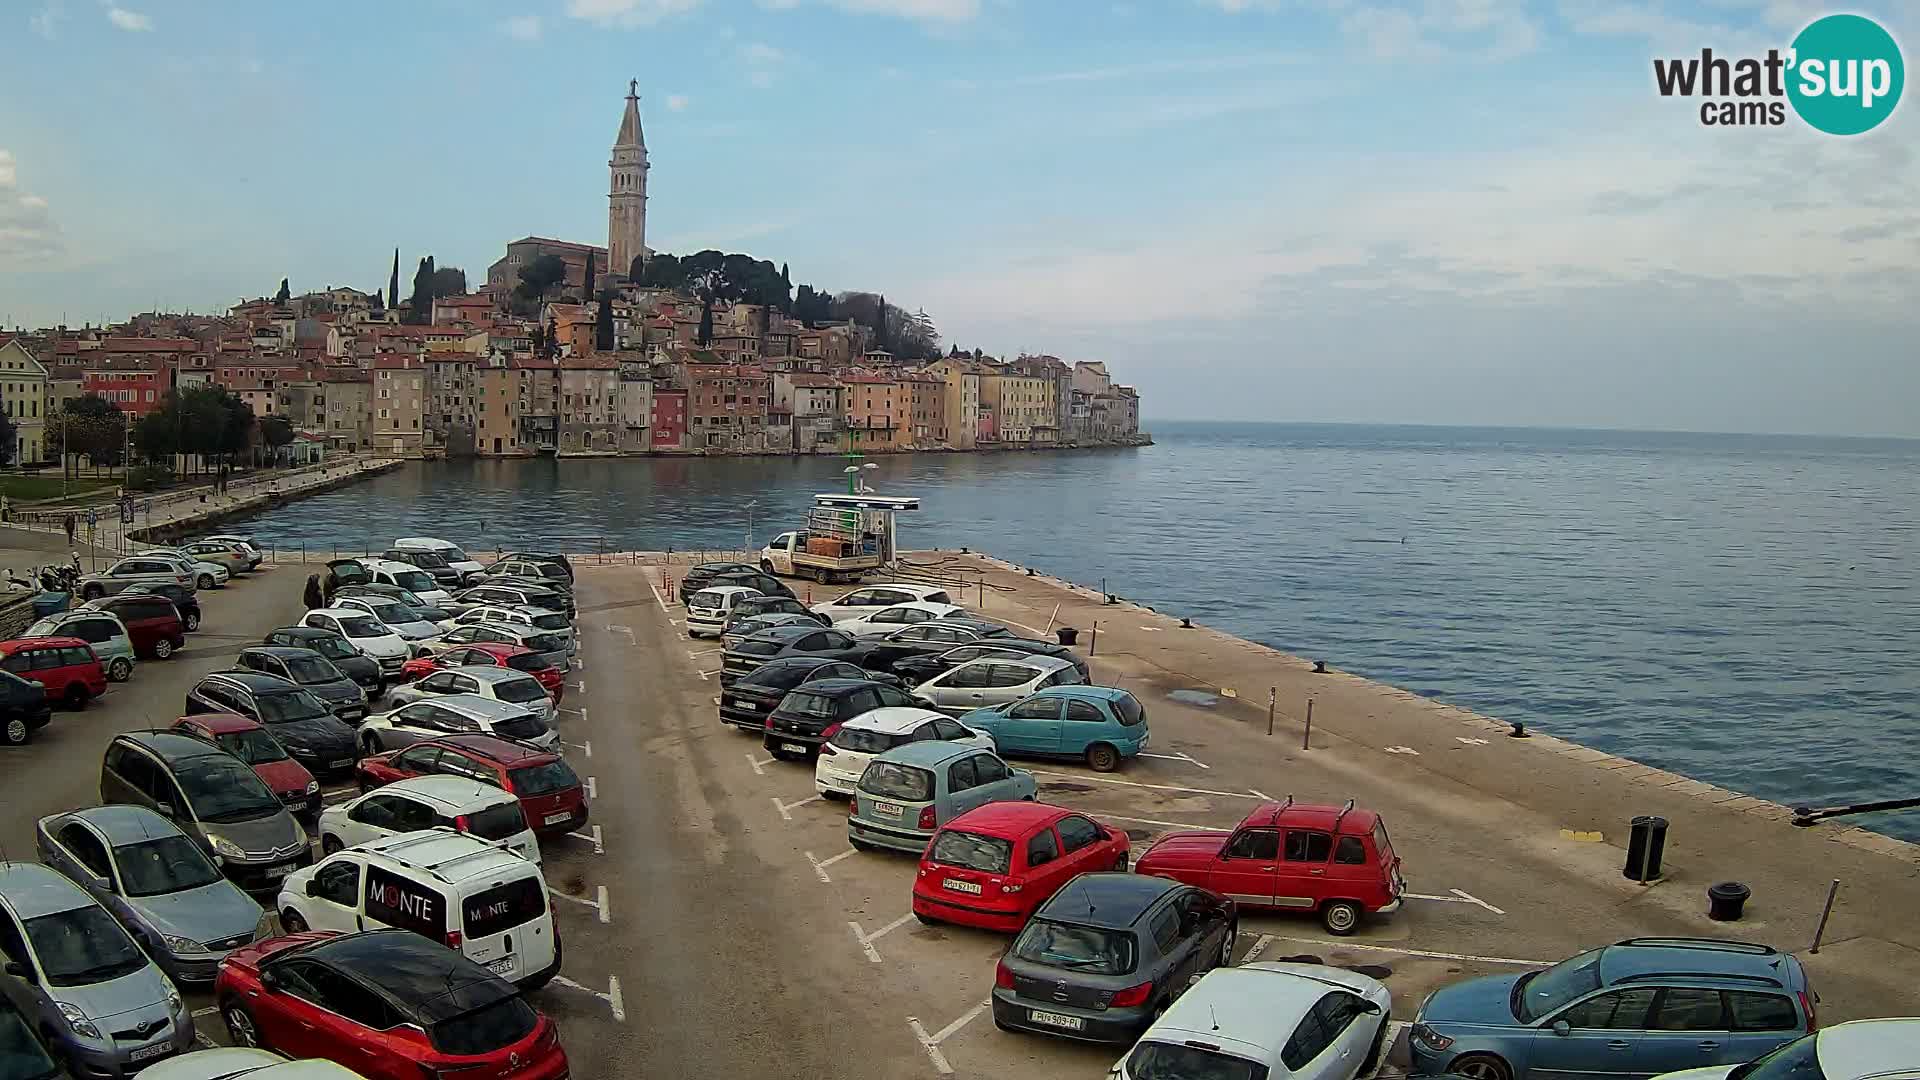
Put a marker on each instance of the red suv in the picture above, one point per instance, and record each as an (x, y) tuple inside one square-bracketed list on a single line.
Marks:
[(993, 865), (251, 742), (547, 787), (66, 666), (490, 654), (387, 1004), (152, 622), (1334, 860)]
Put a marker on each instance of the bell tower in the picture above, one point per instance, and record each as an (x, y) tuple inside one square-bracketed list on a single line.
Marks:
[(627, 190)]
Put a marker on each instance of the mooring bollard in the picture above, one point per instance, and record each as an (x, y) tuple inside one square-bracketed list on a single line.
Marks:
[(1725, 901), (1094, 642), (1272, 694)]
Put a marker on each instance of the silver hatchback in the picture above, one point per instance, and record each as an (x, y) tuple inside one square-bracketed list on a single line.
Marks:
[(996, 680)]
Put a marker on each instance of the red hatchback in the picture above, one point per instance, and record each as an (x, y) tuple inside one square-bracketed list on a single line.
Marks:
[(251, 742), (993, 865), (1333, 860), (387, 1005), (549, 790), (490, 654), (66, 666)]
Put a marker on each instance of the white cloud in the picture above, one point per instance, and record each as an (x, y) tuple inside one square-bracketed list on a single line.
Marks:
[(522, 28), (33, 202), (130, 21), (932, 11), (628, 14), (7, 173), (28, 234), (1420, 29), (46, 21), (763, 61), (678, 102)]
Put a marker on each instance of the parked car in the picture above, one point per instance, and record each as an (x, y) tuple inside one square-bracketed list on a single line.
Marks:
[(742, 628), (497, 683), (24, 709), (806, 716), (879, 622), (709, 609), (1879, 1049), (529, 569), (550, 650), (746, 702), (851, 745), (1308, 1021), (311, 671), (459, 891), (103, 632), (930, 638), (206, 575), (491, 654), (764, 584), (343, 572), (134, 570), (157, 882), (1677, 1003), (1335, 861), (992, 866), (453, 714), (228, 553), (866, 598), (213, 797), (255, 553), (747, 654), (554, 557), (380, 1001), (918, 669), (533, 618), (908, 792), (364, 670), (549, 790), (405, 575), (754, 606), (516, 593), (186, 606), (300, 720), (233, 1062), (431, 802), (996, 681), (65, 668), (450, 552), (1101, 725), (71, 968), (398, 618), (432, 562), (152, 621), (697, 576), (365, 633), (1108, 953), (20, 1047), (434, 613), (252, 742)]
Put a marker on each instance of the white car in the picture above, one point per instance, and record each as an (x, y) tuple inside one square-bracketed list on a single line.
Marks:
[(401, 619), (496, 683), (844, 756), (451, 553), (255, 552), (879, 622), (430, 802), (234, 1062), (708, 609), (869, 597), (1300, 1021), (409, 577), (454, 714), (551, 622), (372, 637), (1887, 1048)]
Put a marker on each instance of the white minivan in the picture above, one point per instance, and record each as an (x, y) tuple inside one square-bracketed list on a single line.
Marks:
[(489, 904), (409, 577), (707, 610), (419, 803), (373, 638), (456, 558)]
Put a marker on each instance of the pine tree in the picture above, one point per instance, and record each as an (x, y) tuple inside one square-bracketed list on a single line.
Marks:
[(393, 284), (588, 294)]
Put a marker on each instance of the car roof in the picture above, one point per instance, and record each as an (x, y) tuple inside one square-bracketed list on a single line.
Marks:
[(926, 753), (391, 566), (424, 978), (1353, 820), (340, 612), (304, 631), (257, 681), (487, 673), (453, 791), (806, 660), (223, 723), (1085, 693), (171, 746), (283, 651), (726, 590), (484, 708), (1255, 1005), (838, 687), (892, 719), (915, 588), (17, 644), (1036, 661), (494, 748), (941, 608), (1110, 900), (783, 634), (1008, 820), (426, 541), (122, 823), (968, 622), (33, 890), (1733, 963), (450, 856), (720, 567), (1859, 1049)]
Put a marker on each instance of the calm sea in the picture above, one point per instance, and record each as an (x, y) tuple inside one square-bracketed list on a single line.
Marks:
[(1742, 609)]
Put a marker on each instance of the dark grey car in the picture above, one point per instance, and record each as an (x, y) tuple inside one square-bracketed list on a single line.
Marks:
[(315, 673), (339, 651), (157, 882)]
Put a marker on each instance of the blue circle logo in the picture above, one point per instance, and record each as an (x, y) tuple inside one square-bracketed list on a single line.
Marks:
[(1847, 74)]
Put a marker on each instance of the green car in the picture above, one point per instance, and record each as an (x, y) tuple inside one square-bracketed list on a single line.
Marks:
[(102, 630)]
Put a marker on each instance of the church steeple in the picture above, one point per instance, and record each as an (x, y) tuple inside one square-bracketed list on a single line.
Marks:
[(627, 190), (630, 133)]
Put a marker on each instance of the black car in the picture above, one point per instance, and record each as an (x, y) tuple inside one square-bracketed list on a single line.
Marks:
[(915, 670), (183, 601), (309, 669), (752, 579), (931, 638), (345, 572), (1107, 953), (806, 717), (359, 667), (432, 562), (749, 606), (516, 593), (777, 642), (698, 577), (303, 723), (746, 703), (553, 557), (24, 709)]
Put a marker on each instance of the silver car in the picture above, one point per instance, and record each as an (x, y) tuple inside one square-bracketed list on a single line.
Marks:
[(522, 615), (157, 882), (206, 575), (138, 570), (228, 553), (498, 683), (454, 714), (408, 622), (76, 973), (996, 680)]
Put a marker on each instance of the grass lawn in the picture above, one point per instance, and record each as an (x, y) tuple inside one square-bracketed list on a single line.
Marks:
[(27, 487)]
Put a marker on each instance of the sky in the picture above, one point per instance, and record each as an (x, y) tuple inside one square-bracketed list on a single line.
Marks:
[(1429, 211)]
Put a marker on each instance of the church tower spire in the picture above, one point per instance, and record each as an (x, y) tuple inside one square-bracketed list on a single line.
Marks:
[(627, 190)]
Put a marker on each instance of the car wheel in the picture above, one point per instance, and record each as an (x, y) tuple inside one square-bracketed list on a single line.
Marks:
[(766, 567), (75, 697), (694, 634), (92, 592), (1226, 946), (192, 620), (369, 746), (1340, 917), (292, 923), (205, 582), (1120, 864), (821, 577), (1102, 758), (330, 844), (163, 648), (120, 670), (240, 1026), (16, 732), (1481, 1067)]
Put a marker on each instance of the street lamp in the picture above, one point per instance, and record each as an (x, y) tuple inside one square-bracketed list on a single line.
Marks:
[(751, 503), (855, 484)]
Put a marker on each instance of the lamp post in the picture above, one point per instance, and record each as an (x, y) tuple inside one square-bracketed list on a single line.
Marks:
[(856, 485), (751, 503)]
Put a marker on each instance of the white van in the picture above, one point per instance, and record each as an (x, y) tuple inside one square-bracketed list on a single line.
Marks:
[(707, 610), (409, 577), (489, 904), (456, 558)]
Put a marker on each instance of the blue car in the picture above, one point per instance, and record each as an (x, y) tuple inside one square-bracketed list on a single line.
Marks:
[(1103, 724), (1634, 1009)]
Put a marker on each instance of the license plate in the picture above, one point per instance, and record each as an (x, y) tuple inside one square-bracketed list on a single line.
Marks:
[(148, 1053), (1057, 1020), (961, 886), (744, 704), (888, 809), (793, 746), (503, 966), (279, 871), (555, 819), (340, 763)]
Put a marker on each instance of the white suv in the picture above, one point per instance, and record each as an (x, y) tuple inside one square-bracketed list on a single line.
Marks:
[(430, 802)]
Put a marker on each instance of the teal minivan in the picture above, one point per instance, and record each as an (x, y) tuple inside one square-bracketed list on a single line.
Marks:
[(1105, 725), (102, 630)]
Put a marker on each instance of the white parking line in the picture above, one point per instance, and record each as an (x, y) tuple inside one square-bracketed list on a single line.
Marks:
[(758, 764), (581, 713), (1155, 787), (1472, 899), (705, 674), (1342, 944), (593, 789), (1458, 896), (611, 997), (592, 836), (1258, 948), (657, 598), (787, 808), (1261, 794), (932, 1042), (581, 686), (693, 655), (1177, 757), (820, 865), (616, 628), (866, 940), (585, 746), (208, 1011), (599, 903)]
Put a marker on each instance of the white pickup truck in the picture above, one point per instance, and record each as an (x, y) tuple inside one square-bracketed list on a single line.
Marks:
[(788, 554)]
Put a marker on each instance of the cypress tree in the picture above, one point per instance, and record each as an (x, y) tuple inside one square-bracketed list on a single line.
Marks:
[(603, 322), (589, 284), (393, 284)]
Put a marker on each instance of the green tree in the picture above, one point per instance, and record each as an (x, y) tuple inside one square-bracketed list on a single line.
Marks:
[(284, 294), (393, 284), (420, 304), (587, 288), (540, 275), (603, 324), (711, 286), (447, 281), (275, 432), (9, 439)]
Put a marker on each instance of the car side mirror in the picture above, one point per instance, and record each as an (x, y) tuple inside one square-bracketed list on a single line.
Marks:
[(164, 809), (313, 887), (20, 971), (1370, 1007), (1561, 1027), (270, 979), (104, 884)]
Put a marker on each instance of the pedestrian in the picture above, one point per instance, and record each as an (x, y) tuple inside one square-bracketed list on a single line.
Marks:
[(326, 590), (314, 597), (72, 523)]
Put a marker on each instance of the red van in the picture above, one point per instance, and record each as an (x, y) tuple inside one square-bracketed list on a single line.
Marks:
[(66, 666), (152, 622)]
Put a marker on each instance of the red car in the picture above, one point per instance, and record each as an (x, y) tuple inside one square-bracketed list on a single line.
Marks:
[(152, 622), (490, 654), (548, 789), (251, 742), (66, 666), (993, 865), (386, 1004), (1334, 860)]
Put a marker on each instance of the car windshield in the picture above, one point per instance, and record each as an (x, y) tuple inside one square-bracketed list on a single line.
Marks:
[(987, 854), (83, 946), (808, 703), (1171, 1061), (1542, 992), (527, 662), (21, 1055), (289, 706), (864, 741), (485, 1029), (543, 779), (225, 790), (519, 691), (1079, 948), (413, 580), (895, 781), (307, 670), (550, 621), (388, 611), (253, 746), (708, 600), (454, 554), (362, 626), (332, 648), (757, 648), (1797, 1060), (427, 559), (497, 822), (545, 643), (166, 865), (777, 676)]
